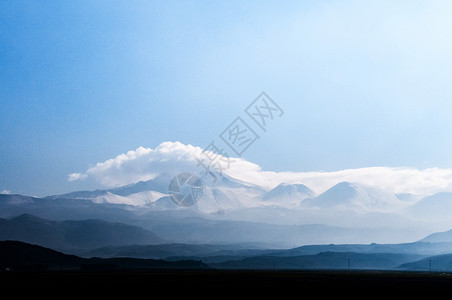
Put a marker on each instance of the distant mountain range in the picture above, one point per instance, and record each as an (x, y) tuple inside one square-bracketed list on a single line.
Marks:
[(230, 211), (234, 211), (230, 194)]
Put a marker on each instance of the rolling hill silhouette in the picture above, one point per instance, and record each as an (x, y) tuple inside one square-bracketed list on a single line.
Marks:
[(20, 256)]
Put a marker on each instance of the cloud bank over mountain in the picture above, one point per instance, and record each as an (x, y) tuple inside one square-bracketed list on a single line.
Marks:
[(175, 157)]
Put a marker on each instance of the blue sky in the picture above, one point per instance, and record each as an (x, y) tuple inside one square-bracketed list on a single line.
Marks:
[(361, 83)]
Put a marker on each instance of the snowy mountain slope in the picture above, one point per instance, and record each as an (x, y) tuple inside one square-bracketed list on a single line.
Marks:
[(226, 193), (141, 191), (359, 197), (229, 194)]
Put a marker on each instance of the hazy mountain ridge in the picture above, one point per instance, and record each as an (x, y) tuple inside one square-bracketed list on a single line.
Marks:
[(408, 256), (322, 260), (167, 251), (439, 237), (437, 263), (61, 208), (72, 234)]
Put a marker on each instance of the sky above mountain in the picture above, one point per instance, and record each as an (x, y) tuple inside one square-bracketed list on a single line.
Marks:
[(363, 87)]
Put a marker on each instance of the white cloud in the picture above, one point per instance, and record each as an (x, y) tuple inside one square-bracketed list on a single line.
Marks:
[(77, 176), (175, 157), (142, 164), (5, 192)]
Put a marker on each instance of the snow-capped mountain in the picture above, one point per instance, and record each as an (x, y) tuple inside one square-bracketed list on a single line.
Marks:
[(229, 194), (358, 197), (247, 208), (225, 193), (141, 193), (288, 194)]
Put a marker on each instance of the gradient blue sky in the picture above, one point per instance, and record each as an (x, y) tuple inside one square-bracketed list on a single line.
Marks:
[(362, 83)]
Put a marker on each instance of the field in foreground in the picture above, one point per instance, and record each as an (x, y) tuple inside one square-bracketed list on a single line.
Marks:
[(231, 281)]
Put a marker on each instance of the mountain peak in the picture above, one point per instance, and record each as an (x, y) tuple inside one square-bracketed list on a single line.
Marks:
[(288, 193), (358, 197), (27, 218)]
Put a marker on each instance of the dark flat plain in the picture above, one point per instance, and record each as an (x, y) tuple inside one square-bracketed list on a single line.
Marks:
[(200, 282)]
